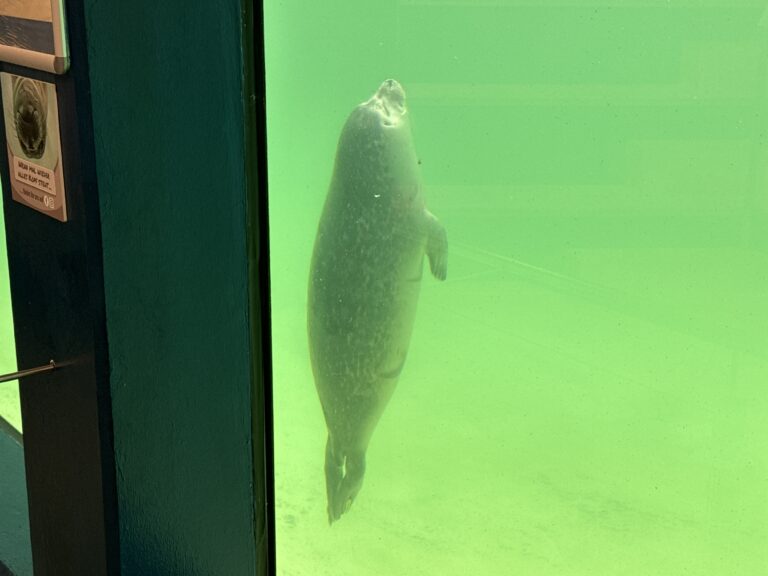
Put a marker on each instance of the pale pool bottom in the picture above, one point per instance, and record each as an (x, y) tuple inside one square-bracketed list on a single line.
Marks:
[(543, 428)]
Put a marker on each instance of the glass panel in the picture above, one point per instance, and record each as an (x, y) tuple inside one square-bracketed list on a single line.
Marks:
[(10, 410), (586, 390)]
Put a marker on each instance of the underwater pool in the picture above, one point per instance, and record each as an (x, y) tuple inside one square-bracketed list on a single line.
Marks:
[(585, 393)]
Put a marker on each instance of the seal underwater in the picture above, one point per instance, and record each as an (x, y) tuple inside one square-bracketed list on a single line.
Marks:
[(364, 281)]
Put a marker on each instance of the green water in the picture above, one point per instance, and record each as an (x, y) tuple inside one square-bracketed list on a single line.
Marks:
[(10, 409), (586, 393)]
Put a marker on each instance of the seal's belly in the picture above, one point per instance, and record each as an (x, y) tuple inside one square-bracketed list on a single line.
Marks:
[(362, 306)]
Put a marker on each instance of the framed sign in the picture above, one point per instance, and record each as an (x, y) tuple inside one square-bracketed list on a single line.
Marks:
[(33, 34), (34, 146)]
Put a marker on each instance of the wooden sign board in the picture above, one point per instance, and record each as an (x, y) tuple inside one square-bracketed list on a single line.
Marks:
[(33, 34)]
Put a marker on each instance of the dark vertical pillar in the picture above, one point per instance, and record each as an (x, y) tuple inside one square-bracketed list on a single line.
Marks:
[(260, 289), (170, 118)]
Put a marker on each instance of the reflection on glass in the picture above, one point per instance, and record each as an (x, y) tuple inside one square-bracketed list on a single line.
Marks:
[(586, 389), (9, 391)]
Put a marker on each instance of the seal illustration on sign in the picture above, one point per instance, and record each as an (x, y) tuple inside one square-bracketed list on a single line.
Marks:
[(30, 115), (364, 281)]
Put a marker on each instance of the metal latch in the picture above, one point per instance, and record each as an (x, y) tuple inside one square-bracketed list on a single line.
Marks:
[(31, 372)]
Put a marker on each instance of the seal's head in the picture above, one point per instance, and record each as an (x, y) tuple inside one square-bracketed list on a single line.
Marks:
[(376, 160)]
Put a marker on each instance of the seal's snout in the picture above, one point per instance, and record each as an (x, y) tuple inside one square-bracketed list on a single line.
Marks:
[(393, 95), (389, 102)]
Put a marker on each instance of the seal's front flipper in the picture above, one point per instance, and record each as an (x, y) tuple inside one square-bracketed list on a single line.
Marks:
[(354, 470), (437, 247)]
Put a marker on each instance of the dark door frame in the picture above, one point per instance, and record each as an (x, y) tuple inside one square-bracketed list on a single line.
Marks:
[(259, 287), (57, 291), (57, 285)]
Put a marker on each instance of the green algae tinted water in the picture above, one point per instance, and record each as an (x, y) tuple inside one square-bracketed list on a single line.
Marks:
[(586, 393), (10, 409)]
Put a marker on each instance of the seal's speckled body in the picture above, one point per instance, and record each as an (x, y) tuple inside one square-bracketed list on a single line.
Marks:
[(364, 281)]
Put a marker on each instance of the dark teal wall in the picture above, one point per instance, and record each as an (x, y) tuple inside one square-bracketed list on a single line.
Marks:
[(167, 86)]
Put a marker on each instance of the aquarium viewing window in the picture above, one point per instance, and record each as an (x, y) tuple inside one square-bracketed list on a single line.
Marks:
[(579, 386), (10, 411), (33, 34)]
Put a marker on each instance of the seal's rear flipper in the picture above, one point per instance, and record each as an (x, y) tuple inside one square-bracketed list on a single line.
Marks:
[(343, 479), (354, 470), (334, 473), (437, 247)]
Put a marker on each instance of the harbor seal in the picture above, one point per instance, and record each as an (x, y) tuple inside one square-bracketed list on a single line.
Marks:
[(365, 276)]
